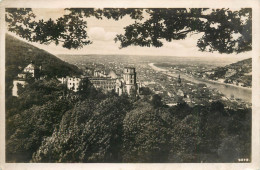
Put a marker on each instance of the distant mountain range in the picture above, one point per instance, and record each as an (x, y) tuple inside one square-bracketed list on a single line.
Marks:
[(19, 54), (239, 73)]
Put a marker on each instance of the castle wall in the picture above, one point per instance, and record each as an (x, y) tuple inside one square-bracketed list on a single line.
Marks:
[(15, 86), (120, 88), (125, 85), (99, 74), (106, 84)]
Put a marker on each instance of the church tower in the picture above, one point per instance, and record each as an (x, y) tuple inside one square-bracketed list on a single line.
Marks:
[(129, 76), (179, 80)]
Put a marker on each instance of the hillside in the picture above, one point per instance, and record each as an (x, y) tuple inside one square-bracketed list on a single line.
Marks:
[(239, 73), (19, 54)]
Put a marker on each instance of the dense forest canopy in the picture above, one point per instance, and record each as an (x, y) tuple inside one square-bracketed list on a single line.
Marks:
[(224, 30)]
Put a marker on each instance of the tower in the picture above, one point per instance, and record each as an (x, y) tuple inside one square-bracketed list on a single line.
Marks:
[(129, 76), (179, 80)]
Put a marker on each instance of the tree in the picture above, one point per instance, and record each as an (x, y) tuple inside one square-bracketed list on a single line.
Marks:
[(157, 101), (90, 132), (31, 127), (217, 107), (223, 30), (146, 134), (186, 140), (229, 149), (145, 91)]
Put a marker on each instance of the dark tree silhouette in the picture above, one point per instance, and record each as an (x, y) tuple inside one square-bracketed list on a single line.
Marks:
[(157, 101), (70, 30), (223, 30)]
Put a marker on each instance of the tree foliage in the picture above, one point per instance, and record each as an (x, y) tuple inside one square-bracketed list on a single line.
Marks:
[(69, 29), (44, 126), (156, 101), (31, 127), (223, 30), (91, 132)]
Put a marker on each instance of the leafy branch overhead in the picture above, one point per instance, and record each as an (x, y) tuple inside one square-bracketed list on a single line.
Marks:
[(222, 30)]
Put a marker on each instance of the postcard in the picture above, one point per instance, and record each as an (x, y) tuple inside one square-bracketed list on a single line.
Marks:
[(130, 84)]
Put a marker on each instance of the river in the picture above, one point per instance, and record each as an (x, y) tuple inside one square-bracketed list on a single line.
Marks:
[(228, 90)]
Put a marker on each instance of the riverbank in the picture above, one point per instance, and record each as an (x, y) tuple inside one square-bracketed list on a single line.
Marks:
[(203, 80), (230, 91), (246, 88), (156, 68)]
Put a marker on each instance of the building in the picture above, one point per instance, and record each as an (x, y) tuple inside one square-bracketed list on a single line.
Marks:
[(180, 93), (16, 82), (74, 83), (111, 81), (30, 71), (106, 81), (119, 87), (129, 78), (98, 73), (63, 80), (110, 74)]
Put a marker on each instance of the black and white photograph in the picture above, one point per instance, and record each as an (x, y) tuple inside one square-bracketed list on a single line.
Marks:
[(128, 85)]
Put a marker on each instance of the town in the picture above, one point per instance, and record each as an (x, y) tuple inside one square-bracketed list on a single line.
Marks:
[(170, 85)]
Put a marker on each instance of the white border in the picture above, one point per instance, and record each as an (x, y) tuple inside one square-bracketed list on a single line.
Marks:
[(255, 4)]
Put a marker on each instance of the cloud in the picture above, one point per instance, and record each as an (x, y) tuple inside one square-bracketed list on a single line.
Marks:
[(99, 33)]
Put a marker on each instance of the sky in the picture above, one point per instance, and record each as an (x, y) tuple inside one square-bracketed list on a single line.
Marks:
[(102, 33)]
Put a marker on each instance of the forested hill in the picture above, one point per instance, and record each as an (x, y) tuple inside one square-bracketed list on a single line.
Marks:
[(19, 54), (239, 73)]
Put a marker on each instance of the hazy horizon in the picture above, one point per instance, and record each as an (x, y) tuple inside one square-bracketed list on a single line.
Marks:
[(84, 58), (242, 57)]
